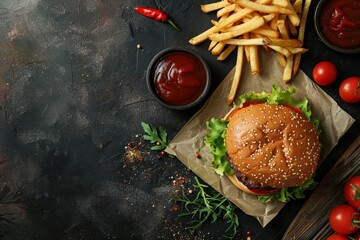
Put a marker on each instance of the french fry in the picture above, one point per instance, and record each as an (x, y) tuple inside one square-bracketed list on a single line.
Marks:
[(263, 30), (289, 61), (254, 60), (205, 35), (268, 17), (233, 19), (263, 8), (265, 2), (202, 36), (266, 32), (226, 10), (237, 74), (246, 47), (244, 25), (281, 59), (285, 42), (212, 45), (294, 18), (298, 7), (228, 50), (298, 50), (238, 30), (280, 3), (248, 42), (301, 35), (273, 22), (214, 6), (287, 74), (282, 27), (292, 29), (282, 50), (218, 48)]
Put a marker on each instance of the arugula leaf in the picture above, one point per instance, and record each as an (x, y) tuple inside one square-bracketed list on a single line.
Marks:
[(156, 135), (209, 206)]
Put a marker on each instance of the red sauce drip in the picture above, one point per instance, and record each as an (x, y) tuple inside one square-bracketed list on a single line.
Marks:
[(340, 22), (179, 78)]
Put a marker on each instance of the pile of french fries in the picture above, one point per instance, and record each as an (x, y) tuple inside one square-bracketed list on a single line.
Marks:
[(245, 25)]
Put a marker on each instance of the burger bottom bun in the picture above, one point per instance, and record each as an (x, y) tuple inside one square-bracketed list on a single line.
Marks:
[(241, 186)]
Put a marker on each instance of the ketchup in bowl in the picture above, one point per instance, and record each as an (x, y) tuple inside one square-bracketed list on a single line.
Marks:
[(178, 78), (340, 23)]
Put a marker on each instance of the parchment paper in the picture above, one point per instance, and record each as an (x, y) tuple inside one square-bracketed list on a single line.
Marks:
[(190, 139)]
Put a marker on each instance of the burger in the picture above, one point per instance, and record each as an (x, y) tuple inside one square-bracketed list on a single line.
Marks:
[(267, 145)]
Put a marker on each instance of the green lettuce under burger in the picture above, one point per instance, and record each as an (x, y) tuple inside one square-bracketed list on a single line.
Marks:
[(267, 145)]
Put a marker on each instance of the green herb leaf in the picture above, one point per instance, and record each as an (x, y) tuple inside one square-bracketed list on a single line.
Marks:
[(209, 206), (157, 135)]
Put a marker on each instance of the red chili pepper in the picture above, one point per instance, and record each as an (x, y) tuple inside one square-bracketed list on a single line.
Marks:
[(155, 14)]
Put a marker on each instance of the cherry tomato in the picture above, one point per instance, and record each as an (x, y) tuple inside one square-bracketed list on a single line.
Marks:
[(341, 219), (349, 90), (337, 237), (352, 192), (324, 73)]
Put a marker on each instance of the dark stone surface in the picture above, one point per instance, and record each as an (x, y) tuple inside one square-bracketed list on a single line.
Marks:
[(72, 97)]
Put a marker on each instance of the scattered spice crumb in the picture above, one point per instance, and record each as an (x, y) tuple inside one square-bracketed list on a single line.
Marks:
[(135, 151), (174, 208), (141, 166)]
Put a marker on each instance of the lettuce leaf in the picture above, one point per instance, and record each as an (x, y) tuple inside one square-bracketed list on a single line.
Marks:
[(216, 140), (291, 193), (217, 129)]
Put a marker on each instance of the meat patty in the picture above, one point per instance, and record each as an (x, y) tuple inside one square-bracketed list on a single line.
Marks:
[(250, 184)]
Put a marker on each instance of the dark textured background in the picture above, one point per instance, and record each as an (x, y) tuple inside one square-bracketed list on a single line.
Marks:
[(72, 97)]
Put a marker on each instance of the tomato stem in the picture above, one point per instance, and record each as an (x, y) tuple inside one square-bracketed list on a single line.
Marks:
[(357, 87), (357, 192), (355, 222)]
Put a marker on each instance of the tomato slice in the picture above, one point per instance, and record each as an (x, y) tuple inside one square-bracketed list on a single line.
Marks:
[(296, 109), (264, 191)]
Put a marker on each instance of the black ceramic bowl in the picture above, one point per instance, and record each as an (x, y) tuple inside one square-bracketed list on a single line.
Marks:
[(190, 78), (319, 31)]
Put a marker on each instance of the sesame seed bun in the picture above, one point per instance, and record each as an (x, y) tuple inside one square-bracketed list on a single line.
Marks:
[(273, 145)]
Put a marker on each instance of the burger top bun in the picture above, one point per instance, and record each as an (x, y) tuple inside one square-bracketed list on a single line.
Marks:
[(273, 145)]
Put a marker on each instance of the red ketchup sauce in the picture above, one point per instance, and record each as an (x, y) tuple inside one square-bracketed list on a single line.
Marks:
[(340, 22), (179, 78)]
